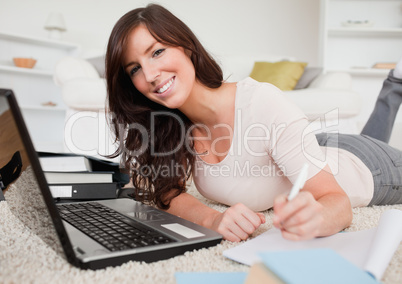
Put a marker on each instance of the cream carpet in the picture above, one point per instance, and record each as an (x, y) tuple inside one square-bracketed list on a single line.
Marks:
[(25, 258)]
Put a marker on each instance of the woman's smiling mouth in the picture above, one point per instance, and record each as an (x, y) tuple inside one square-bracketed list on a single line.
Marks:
[(165, 87)]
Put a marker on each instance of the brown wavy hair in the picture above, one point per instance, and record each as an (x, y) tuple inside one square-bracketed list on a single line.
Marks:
[(157, 178)]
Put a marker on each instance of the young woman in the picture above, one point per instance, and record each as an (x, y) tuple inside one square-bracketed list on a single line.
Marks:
[(243, 143)]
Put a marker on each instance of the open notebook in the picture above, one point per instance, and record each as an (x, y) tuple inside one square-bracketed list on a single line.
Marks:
[(371, 249)]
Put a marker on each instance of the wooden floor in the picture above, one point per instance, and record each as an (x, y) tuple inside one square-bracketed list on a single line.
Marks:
[(10, 141)]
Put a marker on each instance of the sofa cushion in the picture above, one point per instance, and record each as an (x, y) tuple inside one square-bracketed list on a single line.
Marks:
[(85, 93), (282, 74), (332, 80), (326, 103), (70, 68), (309, 74), (238, 67)]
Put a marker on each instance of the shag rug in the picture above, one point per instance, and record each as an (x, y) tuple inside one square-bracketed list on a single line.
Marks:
[(25, 258)]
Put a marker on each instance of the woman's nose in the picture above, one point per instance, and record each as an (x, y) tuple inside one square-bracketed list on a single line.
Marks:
[(151, 72)]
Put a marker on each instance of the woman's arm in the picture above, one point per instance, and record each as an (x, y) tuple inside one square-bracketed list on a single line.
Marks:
[(322, 208), (235, 224)]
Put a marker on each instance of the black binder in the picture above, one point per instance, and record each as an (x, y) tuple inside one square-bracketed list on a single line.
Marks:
[(84, 191)]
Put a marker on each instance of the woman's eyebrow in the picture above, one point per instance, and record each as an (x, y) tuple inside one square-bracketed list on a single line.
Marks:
[(150, 47)]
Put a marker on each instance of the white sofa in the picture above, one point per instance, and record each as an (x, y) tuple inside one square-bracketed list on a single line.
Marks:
[(84, 92), (328, 97), (329, 101)]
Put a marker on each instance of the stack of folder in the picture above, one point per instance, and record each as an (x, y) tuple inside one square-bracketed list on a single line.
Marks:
[(80, 177), (312, 266), (307, 266)]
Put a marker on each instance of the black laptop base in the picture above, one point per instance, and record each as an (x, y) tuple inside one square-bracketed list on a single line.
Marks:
[(147, 257)]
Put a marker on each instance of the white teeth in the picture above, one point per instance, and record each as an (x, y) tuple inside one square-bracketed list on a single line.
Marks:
[(166, 86)]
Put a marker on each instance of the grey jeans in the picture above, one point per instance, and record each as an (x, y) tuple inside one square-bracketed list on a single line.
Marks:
[(384, 161)]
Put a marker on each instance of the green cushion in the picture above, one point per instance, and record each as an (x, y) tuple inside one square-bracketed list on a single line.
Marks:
[(282, 74)]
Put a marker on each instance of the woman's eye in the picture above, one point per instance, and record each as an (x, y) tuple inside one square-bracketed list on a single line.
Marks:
[(158, 52), (134, 70)]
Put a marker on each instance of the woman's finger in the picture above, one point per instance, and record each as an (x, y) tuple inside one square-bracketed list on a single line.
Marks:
[(241, 221), (252, 218), (304, 231), (291, 208), (303, 215), (262, 218)]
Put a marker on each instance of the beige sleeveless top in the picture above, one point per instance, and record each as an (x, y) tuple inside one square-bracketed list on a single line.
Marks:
[(271, 142)]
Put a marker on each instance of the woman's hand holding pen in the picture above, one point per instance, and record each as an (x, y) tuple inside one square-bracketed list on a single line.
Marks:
[(298, 215), (300, 218), (321, 209), (237, 223)]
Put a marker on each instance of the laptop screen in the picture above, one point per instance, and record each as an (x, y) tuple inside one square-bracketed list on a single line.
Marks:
[(18, 158)]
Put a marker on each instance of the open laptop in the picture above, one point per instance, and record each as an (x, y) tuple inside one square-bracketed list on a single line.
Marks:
[(93, 234)]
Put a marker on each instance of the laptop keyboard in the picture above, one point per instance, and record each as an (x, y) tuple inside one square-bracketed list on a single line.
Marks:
[(109, 228)]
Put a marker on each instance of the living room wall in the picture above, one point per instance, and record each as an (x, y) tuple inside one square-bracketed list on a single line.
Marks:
[(286, 27)]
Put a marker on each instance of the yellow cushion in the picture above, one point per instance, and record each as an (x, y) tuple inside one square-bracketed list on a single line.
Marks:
[(282, 74)]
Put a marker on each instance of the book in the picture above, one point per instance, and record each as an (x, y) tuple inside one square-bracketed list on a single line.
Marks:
[(86, 191), (68, 162), (313, 266), (371, 249), (65, 164), (78, 177)]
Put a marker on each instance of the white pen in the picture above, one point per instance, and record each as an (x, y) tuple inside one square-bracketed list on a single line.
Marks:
[(299, 183)]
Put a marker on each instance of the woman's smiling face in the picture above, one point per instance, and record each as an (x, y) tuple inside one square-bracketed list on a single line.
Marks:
[(162, 73)]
